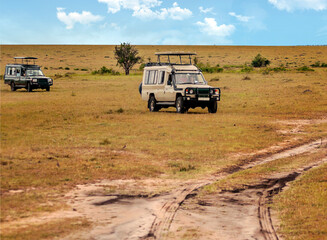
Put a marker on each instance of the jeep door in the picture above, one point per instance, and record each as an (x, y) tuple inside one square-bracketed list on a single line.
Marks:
[(12, 76), (169, 93), (160, 86)]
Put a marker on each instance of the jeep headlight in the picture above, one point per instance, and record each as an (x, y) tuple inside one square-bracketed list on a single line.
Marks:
[(191, 91), (49, 80), (34, 80), (211, 91)]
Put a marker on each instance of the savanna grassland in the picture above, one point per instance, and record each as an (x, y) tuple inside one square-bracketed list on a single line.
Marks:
[(92, 127)]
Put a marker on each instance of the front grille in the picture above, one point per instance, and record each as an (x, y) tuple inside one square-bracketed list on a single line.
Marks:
[(202, 91), (42, 81)]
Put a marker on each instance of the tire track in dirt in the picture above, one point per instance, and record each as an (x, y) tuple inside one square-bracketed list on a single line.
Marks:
[(273, 188), (161, 225)]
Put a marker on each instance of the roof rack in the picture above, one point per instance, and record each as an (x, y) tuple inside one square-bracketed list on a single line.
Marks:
[(180, 54), (26, 59)]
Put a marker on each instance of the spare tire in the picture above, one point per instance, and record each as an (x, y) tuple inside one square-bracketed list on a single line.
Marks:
[(140, 88)]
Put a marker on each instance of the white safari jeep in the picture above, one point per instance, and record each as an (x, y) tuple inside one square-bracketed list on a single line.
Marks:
[(183, 86)]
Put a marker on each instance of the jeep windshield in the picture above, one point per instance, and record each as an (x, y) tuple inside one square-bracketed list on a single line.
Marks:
[(34, 72), (189, 78)]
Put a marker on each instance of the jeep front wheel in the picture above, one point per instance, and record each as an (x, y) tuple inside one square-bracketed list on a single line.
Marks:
[(12, 87), (212, 107), (48, 89), (180, 105), (153, 104), (29, 87)]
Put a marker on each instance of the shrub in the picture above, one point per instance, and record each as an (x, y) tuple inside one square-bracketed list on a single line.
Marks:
[(318, 64), (246, 69), (142, 66), (67, 68), (208, 69), (305, 69), (260, 61), (104, 70)]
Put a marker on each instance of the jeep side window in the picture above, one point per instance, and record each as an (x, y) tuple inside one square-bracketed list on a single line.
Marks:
[(169, 80), (152, 79), (161, 77), (146, 78), (18, 72)]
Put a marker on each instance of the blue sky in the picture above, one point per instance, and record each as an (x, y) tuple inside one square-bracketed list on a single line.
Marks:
[(171, 22)]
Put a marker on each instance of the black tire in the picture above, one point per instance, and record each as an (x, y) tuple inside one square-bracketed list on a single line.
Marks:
[(212, 108), (29, 87), (140, 88), (12, 87), (180, 108), (152, 105), (48, 89)]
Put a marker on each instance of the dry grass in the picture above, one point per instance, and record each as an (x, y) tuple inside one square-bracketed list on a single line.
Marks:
[(254, 176), (303, 207), (58, 57), (96, 127), (48, 230)]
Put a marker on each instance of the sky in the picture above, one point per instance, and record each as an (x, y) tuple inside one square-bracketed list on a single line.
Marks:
[(164, 22)]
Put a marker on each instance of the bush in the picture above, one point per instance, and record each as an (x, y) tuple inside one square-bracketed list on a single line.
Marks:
[(208, 69), (142, 66), (305, 69), (104, 70), (318, 64), (260, 61), (246, 69)]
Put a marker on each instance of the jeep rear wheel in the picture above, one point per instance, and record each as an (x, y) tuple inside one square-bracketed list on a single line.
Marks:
[(212, 107), (153, 107), (12, 87), (180, 105)]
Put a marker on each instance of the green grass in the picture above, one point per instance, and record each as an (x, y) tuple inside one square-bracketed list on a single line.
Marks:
[(303, 207)]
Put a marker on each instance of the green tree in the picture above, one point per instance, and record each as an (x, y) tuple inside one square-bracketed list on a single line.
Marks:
[(126, 56)]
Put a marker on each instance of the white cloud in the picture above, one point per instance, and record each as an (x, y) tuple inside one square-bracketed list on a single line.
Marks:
[(70, 19), (210, 27), (178, 13), (206, 10), (135, 5), (144, 9), (291, 5), (240, 17)]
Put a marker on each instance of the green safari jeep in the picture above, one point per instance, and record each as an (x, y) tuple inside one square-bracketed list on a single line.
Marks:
[(25, 75)]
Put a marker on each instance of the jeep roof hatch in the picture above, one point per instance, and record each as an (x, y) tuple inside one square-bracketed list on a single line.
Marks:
[(179, 54), (27, 59)]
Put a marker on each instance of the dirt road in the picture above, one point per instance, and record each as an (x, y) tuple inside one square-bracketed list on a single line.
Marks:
[(174, 212), (170, 209)]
